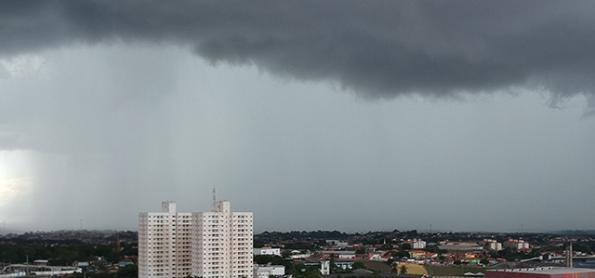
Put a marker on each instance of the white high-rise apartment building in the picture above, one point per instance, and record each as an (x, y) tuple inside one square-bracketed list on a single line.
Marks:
[(205, 244), (222, 243), (164, 243)]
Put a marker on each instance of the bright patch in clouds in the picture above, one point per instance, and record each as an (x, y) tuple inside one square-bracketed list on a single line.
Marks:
[(12, 188), (16, 178), (22, 66)]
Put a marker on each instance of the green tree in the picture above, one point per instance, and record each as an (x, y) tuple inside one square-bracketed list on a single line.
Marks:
[(358, 265), (402, 254), (129, 271), (403, 270), (405, 246)]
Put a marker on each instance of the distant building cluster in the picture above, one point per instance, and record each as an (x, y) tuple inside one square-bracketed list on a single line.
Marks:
[(517, 244), (404, 254), (492, 245), (220, 243)]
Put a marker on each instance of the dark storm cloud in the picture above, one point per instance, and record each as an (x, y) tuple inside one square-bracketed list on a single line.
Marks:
[(377, 48)]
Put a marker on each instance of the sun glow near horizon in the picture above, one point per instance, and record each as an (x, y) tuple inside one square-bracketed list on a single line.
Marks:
[(16, 179)]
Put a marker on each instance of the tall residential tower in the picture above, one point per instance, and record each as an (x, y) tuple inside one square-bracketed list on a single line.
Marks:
[(222, 243), (164, 243)]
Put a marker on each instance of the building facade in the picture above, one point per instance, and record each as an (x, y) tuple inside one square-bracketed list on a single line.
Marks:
[(164, 243), (206, 244), (222, 243)]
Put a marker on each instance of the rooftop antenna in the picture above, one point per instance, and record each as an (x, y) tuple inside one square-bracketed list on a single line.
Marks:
[(214, 198)]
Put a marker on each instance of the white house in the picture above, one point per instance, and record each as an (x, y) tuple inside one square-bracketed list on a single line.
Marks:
[(417, 244), (266, 271), (267, 251)]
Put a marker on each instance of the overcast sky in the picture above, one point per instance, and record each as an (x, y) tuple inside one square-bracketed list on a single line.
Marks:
[(349, 115)]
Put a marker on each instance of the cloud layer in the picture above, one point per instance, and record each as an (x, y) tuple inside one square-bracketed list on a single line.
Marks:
[(105, 132), (375, 48)]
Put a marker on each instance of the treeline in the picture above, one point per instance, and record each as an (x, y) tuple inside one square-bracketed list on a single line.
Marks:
[(328, 235), (62, 253), (301, 235)]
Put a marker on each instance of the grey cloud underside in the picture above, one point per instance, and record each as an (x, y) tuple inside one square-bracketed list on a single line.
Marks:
[(376, 48)]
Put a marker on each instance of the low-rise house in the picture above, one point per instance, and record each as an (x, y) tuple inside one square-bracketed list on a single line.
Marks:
[(422, 255), (416, 243), (380, 256), (266, 271), (40, 262), (460, 246), (267, 251), (342, 255), (344, 264), (300, 256), (337, 243)]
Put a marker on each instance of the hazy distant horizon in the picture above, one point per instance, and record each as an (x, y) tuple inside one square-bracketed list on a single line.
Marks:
[(18, 231)]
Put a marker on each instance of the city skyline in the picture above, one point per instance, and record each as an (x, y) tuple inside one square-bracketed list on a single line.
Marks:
[(314, 115)]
